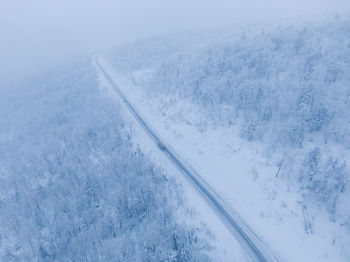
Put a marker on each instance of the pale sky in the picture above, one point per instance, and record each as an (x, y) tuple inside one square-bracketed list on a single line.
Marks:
[(38, 32)]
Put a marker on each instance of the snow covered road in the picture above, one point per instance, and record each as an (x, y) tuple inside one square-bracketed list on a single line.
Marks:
[(246, 237)]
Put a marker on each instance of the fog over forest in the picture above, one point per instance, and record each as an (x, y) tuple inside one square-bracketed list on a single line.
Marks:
[(37, 34), (175, 130)]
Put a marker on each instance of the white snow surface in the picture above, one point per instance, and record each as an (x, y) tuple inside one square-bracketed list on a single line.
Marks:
[(226, 246), (241, 172)]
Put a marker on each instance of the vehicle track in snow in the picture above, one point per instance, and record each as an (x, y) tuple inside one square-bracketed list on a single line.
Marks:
[(240, 230)]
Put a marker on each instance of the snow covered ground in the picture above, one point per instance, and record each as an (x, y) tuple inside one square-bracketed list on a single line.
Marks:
[(226, 247), (244, 173)]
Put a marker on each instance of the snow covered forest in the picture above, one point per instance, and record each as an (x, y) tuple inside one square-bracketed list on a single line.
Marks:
[(73, 186), (175, 131), (284, 84)]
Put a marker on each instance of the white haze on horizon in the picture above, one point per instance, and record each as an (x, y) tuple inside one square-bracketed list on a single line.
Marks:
[(36, 34)]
